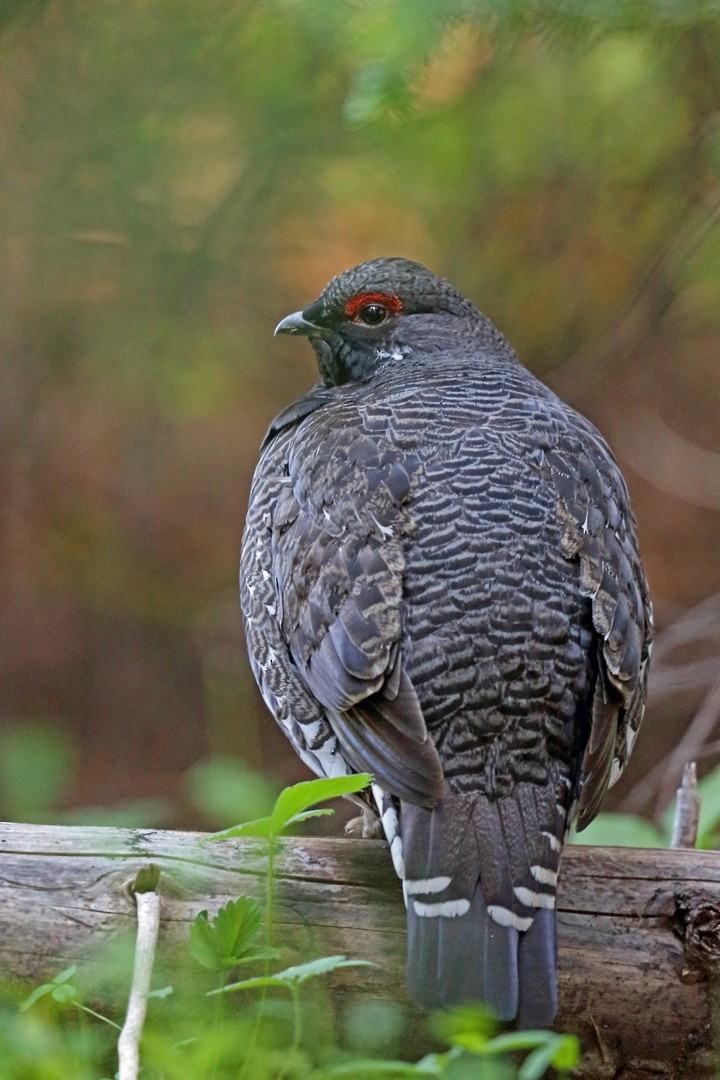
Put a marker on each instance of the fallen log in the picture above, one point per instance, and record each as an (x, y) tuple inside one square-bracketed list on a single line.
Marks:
[(639, 930)]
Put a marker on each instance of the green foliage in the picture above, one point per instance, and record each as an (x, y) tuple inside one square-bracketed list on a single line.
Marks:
[(204, 165), (36, 766), (471, 1035), (627, 830), (229, 1030), (227, 940), (292, 806), (225, 789), (709, 826), (295, 976), (60, 989), (620, 830)]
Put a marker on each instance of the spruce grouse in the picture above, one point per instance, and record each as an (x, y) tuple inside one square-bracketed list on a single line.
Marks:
[(441, 586)]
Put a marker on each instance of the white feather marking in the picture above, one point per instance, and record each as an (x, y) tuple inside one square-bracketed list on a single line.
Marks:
[(615, 770), (311, 730), (379, 796), (331, 763), (427, 885), (552, 840), (504, 917), (449, 908), (386, 531), (543, 875), (534, 899), (396, 851), (394, 354), (390, 823), (630, 734)]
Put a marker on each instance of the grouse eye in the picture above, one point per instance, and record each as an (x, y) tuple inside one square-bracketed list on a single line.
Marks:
[(372, 308), (372, 314)]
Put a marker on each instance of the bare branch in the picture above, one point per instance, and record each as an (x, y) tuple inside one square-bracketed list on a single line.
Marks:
[(687, 810), (147, 900)]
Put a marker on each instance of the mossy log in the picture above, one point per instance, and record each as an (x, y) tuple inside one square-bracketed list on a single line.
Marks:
[(639, 930)]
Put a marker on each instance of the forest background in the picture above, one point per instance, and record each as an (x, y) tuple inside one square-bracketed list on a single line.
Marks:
[(176, 177)]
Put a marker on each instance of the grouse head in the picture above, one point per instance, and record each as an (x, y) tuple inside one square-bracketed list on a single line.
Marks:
[(377, 311)]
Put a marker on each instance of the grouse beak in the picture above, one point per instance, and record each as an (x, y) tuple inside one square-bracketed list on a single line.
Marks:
[(298, 324)]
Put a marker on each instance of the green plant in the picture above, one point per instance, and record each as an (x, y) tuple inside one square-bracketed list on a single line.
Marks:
[(241, 1028), (628, 830)]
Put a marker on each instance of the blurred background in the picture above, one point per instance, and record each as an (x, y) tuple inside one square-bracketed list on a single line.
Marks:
[(176, 177)]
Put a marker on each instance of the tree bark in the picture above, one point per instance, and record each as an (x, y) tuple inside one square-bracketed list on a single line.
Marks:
[(639, 931)]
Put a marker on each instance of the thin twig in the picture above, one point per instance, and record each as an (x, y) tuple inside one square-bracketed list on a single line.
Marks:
[(147, 901), (687, 810)]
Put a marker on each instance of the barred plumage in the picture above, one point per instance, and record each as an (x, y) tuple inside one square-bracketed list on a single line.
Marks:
[(441, 586)]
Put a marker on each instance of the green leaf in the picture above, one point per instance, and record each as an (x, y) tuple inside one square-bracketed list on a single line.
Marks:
[(295, 976), (262, 827), (513, 1041), (297, 799), (38, 992), (567, 1054), (325, 812), (257, 952), (292, 805), (227, 940), (57, 985), (249, 984), (539, 1061)]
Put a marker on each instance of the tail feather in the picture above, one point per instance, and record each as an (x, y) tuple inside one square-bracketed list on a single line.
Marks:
[(501, 984), (480, 891), (537, 957)]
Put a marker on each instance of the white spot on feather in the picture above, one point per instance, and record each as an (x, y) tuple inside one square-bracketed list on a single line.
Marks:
[(543, 875), (450, 909), (552, 840), (427, 885), (534, 899), (504, 917), (311, 730), (395, 354), (331, 763), (386, 531)]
